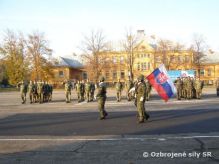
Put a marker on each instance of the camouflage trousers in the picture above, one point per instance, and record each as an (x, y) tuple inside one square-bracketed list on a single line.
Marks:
[(189, 93), (128, 95), (141, 110), (91, 95), (31, 96), (118, 95), (67, 96), (198, 93), (179, 93), (23, 97), (147, 95), (101, 106), (88, 96)]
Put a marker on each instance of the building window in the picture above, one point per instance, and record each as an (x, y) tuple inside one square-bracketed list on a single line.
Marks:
[(142, 55), (114, 75), (107, 74), (149, 55), (187, 59), (84, 75), (209, 72), (149, 66), (122, 74), (157, 59), (122, 59), (61, 73), (114, 59), (139, 67), (202, 72), (143, 66), (180, 59), (107, 60)]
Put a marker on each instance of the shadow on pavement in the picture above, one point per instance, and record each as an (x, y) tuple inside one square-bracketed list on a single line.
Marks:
[(172, 121)]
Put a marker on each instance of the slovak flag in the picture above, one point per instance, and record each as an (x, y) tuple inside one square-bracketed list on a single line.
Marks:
[(162, 83)]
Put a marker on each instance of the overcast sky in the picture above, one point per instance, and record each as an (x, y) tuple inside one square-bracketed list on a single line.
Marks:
[(64, 22)]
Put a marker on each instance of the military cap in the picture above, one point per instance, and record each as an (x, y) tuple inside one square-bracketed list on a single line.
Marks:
[(102, 78), (141, 77)]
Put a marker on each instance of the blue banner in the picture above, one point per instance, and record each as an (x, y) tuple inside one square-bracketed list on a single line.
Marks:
[(173, 74)]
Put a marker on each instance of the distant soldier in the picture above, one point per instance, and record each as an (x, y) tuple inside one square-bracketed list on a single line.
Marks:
[(198, 88), (118, 90), (40, 91), (78, 90), (193, 88), (92, 90), (140, 89), (31, 91), (46, 91), (68, 88), (217, 86), (88, 90), (148, 90), (129, 84), (50, 92), (82, 90), (35, 94), (183, 93), (101, 97), (179, 85), (189, 88), (23, 90)]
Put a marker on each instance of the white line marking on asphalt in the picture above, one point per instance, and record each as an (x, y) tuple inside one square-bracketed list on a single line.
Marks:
[(102, 139)]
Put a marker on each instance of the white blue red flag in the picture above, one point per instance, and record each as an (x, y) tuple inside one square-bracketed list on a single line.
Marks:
[(162, 83)]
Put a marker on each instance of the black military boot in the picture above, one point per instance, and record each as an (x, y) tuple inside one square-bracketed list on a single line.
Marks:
[(147, 116)]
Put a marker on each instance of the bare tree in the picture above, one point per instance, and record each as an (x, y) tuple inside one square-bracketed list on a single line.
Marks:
[(129, 45), (165, 52), (93, 48), (13, 50), (38, 51), (198, 47)]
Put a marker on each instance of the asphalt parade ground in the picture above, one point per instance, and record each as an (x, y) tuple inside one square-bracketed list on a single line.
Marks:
[(185, 131)]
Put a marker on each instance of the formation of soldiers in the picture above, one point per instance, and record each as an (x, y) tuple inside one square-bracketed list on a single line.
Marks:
[(40, 91), (130, 94), (85, 90), (189, 88), (139, 90)]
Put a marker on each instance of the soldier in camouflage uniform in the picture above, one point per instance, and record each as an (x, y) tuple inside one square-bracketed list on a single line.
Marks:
[(184, 93), (82, 90), (189, 88), (193, 87), (92, 90), (140, 89), (68, 88), (35, 94), (78, 89), (129, 84), (88, 90), (179, 85), (50, 92), (101, 98), (217, 86), (198, 88), (148, 90), (23, 90), (40, 91), (118, 90), (31, 91)]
